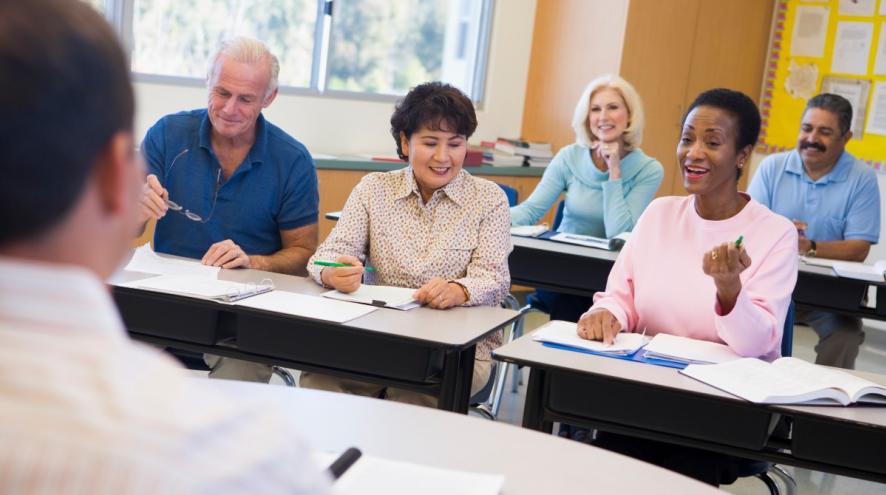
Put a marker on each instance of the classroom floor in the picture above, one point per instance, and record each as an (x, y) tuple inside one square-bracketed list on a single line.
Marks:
[(872, 357)]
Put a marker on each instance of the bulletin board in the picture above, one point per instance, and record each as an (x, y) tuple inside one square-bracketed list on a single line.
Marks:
[(827, 46)]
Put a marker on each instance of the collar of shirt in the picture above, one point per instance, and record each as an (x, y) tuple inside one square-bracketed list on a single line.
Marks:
[(64, 297), (837, 174), (455, 190), (256, 153)]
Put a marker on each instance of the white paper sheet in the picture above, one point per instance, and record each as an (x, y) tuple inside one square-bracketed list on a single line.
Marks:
[(529, 230), (688, 350), (857, 7), (290, 303), (860, 271), (880, 62), (810, 29), (378, 295), (197, 286), (877, 114), (145, 260), (852, 48), (856, 92), (563, 333), (582, 240), (372, 475)]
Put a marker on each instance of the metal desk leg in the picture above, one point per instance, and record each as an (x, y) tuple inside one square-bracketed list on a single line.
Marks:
[(455, 389), (533, 411)]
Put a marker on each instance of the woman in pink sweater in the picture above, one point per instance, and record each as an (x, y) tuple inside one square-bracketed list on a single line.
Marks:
[(684, 272), (681, 272)]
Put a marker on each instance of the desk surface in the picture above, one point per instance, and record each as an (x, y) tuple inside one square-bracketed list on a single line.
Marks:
[(526, 351), (531, 462), (452, 327)]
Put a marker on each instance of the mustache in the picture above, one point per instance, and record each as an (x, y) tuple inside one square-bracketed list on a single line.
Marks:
[(820, 147)]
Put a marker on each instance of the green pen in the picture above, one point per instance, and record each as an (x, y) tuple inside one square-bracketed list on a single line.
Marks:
[(337, 265), (738, 242)]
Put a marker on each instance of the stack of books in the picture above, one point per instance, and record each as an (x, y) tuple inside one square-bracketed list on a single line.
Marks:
[(517, 152)]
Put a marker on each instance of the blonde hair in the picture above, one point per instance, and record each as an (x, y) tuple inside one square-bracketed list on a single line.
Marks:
[(633, 135), (248, 51)]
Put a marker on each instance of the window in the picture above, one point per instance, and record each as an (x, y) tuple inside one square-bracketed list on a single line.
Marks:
[(358, 47)]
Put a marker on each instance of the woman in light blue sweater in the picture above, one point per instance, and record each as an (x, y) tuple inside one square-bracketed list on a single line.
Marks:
[(607, 179)]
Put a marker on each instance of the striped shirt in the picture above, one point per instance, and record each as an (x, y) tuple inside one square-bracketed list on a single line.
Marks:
[(83, 409)]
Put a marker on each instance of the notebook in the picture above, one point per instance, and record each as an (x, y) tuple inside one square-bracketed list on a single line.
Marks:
[(787, 381), (201, 287), (379, 295), (690, 351), (613, 244), (529, 230), (860, 271), (563, 334)]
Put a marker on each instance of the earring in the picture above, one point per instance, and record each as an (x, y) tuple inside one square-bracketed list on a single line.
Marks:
[(740, 164)]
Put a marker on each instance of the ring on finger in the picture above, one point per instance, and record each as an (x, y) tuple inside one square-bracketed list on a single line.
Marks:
[(714, 255)]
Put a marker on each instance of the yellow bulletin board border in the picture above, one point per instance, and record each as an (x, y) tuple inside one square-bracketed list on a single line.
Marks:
[(781, 112)]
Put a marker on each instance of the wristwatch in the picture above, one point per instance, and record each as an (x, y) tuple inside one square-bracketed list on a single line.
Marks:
[(811, 252)]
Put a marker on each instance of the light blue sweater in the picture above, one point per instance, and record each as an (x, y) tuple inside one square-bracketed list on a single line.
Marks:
[(595, 205)]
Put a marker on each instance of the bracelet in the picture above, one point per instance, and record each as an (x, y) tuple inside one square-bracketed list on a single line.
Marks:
[(463, 288)]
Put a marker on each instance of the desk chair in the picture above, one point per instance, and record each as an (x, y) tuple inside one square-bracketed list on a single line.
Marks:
[(194, 361), (766, 470)]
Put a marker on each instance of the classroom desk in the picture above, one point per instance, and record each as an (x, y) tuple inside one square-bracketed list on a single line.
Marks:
[(661, 404), (423, 349), (583, 271), (531, 462)]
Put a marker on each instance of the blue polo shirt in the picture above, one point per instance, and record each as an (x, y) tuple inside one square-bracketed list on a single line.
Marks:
[(274, 189), (842, 205)]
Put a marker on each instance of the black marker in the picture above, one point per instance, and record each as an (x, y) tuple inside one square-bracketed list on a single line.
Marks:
[(344, 461)]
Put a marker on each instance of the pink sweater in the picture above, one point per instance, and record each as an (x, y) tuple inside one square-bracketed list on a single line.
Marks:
[(658, 284)]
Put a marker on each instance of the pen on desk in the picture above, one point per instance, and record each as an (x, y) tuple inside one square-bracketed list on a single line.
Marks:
[(334, 264), (738, 242), (344, 461)]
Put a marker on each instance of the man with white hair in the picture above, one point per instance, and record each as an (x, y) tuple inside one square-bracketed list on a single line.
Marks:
[(228, 187), (83, 409)]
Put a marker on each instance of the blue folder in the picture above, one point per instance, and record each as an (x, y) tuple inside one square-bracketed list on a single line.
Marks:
[(639, 356)]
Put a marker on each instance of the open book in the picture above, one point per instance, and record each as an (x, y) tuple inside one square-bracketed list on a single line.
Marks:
[(201, 287), (860, 271), (691, 351), (787, 381), (563, 334), (613, 244), (379, 295)]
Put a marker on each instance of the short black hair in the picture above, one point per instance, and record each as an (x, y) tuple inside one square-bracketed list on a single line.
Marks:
[(737, 104), (431, 105), (835, 104), (66, 92)]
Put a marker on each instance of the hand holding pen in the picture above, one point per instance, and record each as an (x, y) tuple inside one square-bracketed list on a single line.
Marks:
[(345, 275), (724, 263)]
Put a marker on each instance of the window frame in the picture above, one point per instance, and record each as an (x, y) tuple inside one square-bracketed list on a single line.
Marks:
[(120, 14)]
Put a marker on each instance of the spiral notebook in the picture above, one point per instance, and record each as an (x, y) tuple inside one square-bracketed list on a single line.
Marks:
[(203, 288)]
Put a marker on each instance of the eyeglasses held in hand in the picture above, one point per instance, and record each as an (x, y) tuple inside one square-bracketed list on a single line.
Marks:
[(184, 211)]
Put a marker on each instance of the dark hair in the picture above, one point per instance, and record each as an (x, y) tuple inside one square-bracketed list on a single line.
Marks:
[(66, 92), (431, 105), (740, 106), (835, 104)]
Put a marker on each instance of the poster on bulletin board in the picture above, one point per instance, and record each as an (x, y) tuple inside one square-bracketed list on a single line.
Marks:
[(833, 46)]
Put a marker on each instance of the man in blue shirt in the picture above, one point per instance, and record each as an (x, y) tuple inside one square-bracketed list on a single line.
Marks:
[(834, 201), (228, 187)]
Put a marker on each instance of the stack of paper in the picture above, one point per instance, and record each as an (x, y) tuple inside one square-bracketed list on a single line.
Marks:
[(318, 308), (529, 230), (860, 271), (200, 287), (373, 475), (145, 260), (379, 295), (563, 333), (685, 350)]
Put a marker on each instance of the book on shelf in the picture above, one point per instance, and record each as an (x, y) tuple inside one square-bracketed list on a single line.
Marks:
[(860, 271), (473, 157), (522, 143), (788, 381), (516, 150)]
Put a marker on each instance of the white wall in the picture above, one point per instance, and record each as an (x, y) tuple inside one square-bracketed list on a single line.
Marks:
[(345, 126)]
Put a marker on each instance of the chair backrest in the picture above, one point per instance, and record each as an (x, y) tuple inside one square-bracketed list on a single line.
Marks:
[(787, 336), (510, 192), (558, 217)]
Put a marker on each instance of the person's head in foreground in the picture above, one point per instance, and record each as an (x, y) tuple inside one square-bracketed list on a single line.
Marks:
[(824, 132), (70, 179), (431, 126)]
